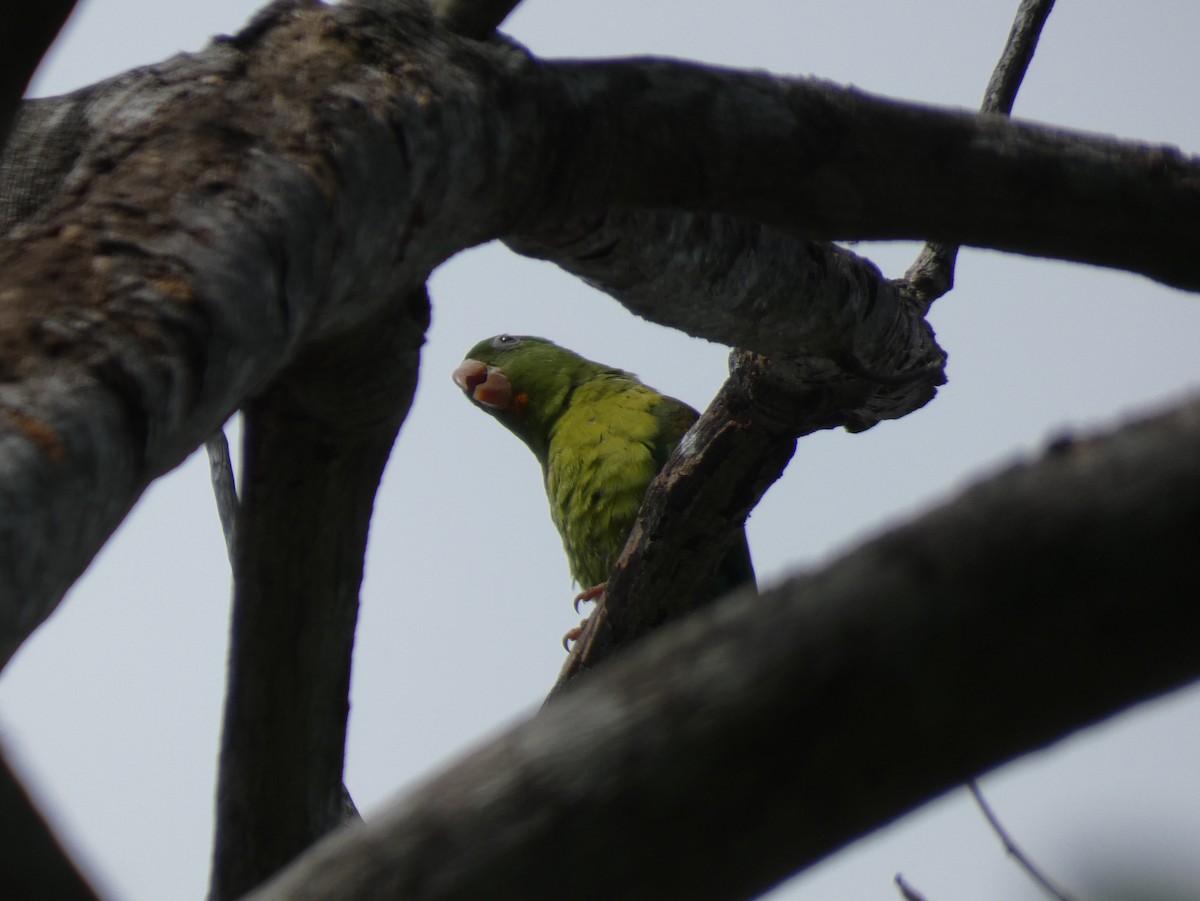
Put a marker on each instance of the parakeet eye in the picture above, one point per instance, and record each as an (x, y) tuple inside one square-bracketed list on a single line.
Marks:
[(505, 342)]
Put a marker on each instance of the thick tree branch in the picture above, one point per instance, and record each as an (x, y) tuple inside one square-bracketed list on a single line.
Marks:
[(207, 233), (33, 864), (27, 29), (224, 485), (827, 707), (45, 143), (314, 448), (787, 298), (827, 162)]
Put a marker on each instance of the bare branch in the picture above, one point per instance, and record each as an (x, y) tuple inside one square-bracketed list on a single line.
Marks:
[(180, 272), (907, 892), (784, 297), (27, 29), (1010, 71), (932, 273), (33, 864), (832, 163), (314, 449), (776, 704), (1013, 849), (733, 454)]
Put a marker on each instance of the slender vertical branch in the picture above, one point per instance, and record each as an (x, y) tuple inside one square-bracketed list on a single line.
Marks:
[(1014, 62), (220, 470), (315, 445), (932, 273)]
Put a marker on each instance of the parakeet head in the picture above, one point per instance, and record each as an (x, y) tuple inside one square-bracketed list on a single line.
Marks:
[(524, 382)]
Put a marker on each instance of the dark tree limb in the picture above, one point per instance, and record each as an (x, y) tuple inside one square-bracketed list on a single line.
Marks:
[(315, 445), (827, 707), (173, 273), (1002, 87), (27, 29), (734, 453), (473, 18), (812, 304), (33, 864), (826, 162)]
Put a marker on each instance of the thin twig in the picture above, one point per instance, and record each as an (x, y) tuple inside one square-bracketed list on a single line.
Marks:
[(907, 891), (220, 469), (1010, 71), (932, 273), (1013, 849)]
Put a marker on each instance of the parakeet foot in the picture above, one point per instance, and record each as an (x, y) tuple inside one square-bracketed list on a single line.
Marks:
[(589, 594), (573, 634)]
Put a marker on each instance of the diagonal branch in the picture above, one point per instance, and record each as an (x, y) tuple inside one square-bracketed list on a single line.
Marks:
[(776, 705), (1014, 61), (932, 273), (34, 864), (27, 29), (733, 454)]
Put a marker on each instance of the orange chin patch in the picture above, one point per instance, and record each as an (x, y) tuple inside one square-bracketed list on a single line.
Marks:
[(519, 403)]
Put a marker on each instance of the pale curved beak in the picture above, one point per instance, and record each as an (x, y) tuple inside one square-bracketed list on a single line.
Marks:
[(484, 384)]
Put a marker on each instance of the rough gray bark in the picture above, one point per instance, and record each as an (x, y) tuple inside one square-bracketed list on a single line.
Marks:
[(294, 200), (731, 749), (181, 238), (314, 447)]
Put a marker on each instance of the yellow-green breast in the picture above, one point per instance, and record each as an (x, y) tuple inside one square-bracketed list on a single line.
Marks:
[(603, 453)]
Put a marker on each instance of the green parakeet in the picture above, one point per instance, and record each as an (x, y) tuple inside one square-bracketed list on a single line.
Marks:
[(600, 436)]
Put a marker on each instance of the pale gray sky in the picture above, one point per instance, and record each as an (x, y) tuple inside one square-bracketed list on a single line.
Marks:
[(113, 708)]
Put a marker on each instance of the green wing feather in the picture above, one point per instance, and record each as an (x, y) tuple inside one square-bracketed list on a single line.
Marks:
[(600, 435)]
